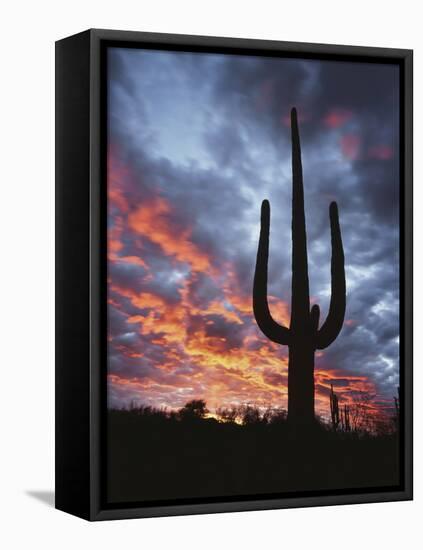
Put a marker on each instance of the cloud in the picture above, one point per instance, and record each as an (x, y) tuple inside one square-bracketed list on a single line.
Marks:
[(152, 220), (350, 146), (196, 142), (336, 118)]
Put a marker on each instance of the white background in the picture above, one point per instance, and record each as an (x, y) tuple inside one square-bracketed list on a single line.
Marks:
[(27, 36)]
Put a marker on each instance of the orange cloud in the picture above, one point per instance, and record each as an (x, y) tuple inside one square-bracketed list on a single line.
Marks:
[(223, 371), (218, 308), (152, 220), (163, 318), (116, 175)]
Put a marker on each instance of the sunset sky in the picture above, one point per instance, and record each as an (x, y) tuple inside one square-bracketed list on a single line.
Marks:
[(196, 142)]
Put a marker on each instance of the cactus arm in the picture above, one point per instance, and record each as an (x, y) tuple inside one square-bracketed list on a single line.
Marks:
[(275, 332), (314, 318), (335, 319)]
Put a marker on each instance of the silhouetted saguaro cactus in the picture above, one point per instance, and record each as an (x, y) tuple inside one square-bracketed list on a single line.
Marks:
[(345, 419), (334, 408), (303, 336), (397, 408)]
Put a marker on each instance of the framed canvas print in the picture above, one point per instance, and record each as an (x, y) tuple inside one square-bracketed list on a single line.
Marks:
[(233, 274)]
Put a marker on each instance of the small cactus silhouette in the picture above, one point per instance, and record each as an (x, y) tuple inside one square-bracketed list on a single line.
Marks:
[(345, 419), (334, 408), (303, 337), (397, 408)]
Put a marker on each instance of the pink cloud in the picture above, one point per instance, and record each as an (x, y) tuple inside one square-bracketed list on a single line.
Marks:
[(381, 152), (350, 146), (337, 118)]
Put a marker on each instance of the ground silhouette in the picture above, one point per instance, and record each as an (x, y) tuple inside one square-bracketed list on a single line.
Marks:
[(158, 455)]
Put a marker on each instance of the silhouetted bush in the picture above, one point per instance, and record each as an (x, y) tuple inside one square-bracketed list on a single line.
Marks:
[(193, 410)]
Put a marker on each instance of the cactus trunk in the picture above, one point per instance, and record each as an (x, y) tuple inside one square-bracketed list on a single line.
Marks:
[(303, 336), (301, 384)]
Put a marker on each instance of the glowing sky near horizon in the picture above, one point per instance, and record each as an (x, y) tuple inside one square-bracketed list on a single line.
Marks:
[(195, 142)]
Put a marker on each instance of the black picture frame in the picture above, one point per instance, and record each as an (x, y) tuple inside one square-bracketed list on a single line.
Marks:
[(80, 268)]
